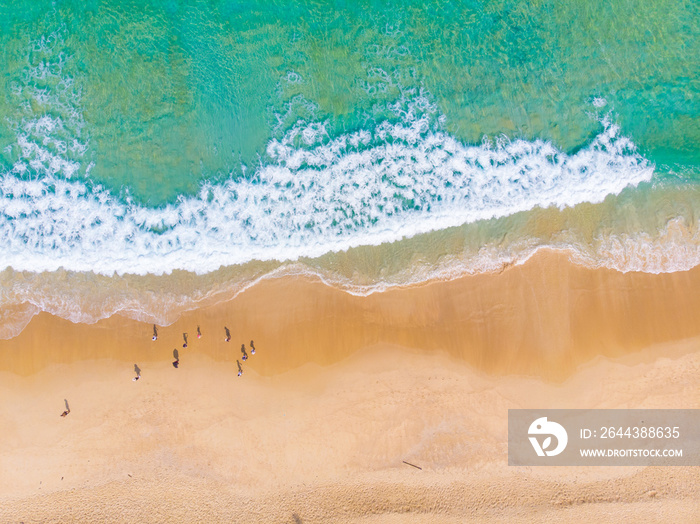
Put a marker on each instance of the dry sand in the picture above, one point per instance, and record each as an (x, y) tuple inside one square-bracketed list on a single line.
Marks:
[(341, 391)]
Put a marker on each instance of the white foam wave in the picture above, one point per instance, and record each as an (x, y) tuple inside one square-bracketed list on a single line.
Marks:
[(87, 298), (315, 195), (675, 248)]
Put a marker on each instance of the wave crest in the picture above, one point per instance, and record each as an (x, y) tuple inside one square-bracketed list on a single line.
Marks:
[(399, 180)]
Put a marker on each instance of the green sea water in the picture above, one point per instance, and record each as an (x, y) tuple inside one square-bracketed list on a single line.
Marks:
[(174, 93)]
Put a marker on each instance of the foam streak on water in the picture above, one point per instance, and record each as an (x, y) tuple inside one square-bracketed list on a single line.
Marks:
[(367, 188), (86, 297)]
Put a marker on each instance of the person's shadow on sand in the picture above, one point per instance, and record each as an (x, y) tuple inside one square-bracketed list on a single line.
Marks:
[(137, 370), (240, 369), (65, 413), (176, 356), (228, 334)]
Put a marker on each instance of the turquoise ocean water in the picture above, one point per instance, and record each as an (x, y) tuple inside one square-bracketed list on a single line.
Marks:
[(160, 155)]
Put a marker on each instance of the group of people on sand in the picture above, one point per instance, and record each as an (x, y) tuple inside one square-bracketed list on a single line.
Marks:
[(245, 355), (227, 338), (176, 355)]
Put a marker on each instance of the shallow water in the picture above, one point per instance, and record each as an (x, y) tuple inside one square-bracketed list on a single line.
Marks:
[(159, 156)]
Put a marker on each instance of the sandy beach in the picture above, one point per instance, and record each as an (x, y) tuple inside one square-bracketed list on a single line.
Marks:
[(341, 391)]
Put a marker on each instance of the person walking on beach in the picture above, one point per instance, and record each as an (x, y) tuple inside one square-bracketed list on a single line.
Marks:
[(252, 348), (65, 413), (184, 336), (199, 333), (137, 370), (228, 335), (176, 356), (245, 355), (240, 369), (155, 333)]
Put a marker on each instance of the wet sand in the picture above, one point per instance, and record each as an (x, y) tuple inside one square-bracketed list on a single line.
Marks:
[(342, 390)]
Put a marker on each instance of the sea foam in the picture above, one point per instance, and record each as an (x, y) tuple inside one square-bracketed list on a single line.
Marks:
[(85, 297), (312, 193), (311, 196)]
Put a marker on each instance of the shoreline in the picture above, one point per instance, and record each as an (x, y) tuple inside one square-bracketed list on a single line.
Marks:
[(543, 318)]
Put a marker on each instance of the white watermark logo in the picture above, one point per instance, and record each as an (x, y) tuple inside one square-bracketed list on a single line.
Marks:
[(603, 437), (542, 426)]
